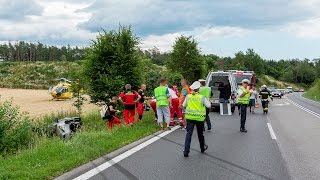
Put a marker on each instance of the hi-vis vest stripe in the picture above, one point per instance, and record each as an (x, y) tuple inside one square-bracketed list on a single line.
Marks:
[(195, 110), (246, 98)]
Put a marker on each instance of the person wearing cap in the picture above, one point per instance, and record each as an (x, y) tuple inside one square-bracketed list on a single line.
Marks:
[(163, 99), (265, 94), (129, 98), (243, 102), (195, 113), (206, 92)]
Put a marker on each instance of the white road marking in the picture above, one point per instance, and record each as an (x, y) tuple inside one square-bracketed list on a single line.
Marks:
[(272, 134), (305, 109), (285, 104), (122, 156)]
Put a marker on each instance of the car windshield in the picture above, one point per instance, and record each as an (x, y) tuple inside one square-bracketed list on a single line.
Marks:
[(239, 78)]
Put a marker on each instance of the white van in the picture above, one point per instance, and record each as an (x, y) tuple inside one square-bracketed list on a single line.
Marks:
[(290, 89), (224, 88)]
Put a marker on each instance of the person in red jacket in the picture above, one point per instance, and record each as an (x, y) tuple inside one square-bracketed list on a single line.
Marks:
[(129, 98), (175, 106), (153, 105)]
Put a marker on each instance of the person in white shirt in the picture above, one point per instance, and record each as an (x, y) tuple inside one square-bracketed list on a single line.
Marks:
[(253, 99), (174, 106)]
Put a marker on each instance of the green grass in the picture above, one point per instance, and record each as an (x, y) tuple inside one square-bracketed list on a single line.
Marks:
[(270, 81), (52, 157), (314, 92)]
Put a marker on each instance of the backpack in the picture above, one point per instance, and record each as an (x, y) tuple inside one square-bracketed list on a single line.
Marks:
[(105, 112)]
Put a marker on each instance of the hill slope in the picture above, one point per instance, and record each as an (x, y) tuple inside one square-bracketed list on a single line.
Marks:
[(270, 81), (35, 75), (314, 92)]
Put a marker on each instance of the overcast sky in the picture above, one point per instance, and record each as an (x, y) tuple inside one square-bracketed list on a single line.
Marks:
[(273, 28)]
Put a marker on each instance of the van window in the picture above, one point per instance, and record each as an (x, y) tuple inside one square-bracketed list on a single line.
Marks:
[(239, 78), (218, 83)]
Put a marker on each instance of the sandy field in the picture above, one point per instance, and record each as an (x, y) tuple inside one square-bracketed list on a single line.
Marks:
[(39, 102)]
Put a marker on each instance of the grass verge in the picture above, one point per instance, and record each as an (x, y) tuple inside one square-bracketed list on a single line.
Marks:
[(51, 157), (314, 92)]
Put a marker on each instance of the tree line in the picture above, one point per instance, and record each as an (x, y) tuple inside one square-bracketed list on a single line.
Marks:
[(24, 51), (115, 59), (187, 60)]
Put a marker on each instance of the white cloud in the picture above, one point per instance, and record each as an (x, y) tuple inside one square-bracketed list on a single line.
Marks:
[(57, 25), (164, 42), (308, 29), (202, 34)]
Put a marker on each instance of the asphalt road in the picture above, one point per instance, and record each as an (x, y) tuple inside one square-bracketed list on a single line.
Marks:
[(294, 153), (298, 135)]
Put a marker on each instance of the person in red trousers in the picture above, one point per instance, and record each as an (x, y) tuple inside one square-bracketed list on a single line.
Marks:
[(153, 105), (129, 98), (140, 104), (112, 119), (174, 106)]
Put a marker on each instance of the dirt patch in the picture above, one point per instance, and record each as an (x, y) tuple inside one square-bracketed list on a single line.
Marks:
[(38, 102)]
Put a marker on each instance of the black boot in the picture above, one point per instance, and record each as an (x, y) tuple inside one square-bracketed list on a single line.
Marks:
[(204, 149)]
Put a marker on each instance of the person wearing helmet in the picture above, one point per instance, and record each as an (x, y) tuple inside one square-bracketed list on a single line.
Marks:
[(265, 94), (243, 102), (195, 113)]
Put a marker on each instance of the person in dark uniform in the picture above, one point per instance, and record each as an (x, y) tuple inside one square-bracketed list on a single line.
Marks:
[(140, 104), (265, 94)]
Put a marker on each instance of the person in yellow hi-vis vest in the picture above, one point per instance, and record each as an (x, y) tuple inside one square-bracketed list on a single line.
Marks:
[(206, 91), (195, 113), (243, 102), (163, 99)]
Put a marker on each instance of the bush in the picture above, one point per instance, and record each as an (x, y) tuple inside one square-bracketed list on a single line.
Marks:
[(15, 129), (113, 61)]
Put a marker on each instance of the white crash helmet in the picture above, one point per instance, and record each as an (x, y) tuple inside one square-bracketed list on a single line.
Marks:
[(264, 86)]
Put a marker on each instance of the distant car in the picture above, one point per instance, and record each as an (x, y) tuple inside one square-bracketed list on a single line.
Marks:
[(282, 91), (276, 93), (301, 90)]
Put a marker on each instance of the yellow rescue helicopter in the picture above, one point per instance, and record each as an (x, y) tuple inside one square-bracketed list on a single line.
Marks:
[(62, 90)]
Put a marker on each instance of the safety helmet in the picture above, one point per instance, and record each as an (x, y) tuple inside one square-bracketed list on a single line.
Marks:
[(195, 85), (264, 86), (245, 81)]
